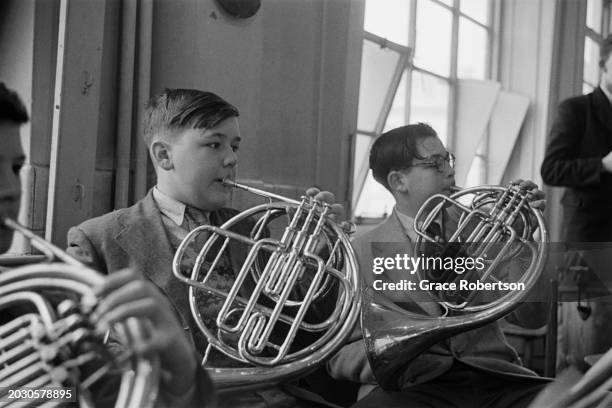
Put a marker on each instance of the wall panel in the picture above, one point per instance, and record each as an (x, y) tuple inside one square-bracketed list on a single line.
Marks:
[(527, 33), (292, 70)]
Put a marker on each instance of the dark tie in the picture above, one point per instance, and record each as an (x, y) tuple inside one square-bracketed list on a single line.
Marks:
[(192, 219), (222, 279), (435, 231)]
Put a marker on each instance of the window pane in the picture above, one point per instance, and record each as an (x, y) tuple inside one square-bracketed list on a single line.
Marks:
[(594, 11), (477, 174), (398, 115), (362, 152), (591, 61), (472, 52), (447, 2), (375, 201), (377, 67), (388, 19), (477, 9), (433, 38), (429, 102)]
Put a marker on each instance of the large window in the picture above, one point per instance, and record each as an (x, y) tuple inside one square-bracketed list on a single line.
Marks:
[(597, 28), (413, 53)]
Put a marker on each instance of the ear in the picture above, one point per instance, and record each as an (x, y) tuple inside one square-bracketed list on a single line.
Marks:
[(162, 155), (397, 181)]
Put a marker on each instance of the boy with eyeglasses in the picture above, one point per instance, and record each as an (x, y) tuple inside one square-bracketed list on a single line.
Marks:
[(476, 368)]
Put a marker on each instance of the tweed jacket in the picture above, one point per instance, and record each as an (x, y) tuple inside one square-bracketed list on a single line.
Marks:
[(135, 237), (581, 135), (484, 348)]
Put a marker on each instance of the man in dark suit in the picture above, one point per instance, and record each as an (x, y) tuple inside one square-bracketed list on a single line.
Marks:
[(579, 157), (475, 368), (193, 139)]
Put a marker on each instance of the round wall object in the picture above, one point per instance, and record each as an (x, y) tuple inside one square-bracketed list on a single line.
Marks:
[(240, 8)]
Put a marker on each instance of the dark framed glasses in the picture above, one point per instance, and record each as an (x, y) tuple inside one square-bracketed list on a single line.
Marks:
[(436, 161)]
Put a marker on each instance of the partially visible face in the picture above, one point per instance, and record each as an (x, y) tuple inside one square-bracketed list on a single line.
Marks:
[(423, 182), (606, 75), (201, 159), (11, 161)]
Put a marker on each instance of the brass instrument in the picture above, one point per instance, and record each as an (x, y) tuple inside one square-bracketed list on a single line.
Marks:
[(48, 334), (495, 224), (297, 261)]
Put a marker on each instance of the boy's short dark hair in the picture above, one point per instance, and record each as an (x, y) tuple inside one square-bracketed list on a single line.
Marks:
[(11, 106), (606, 49), (396, 149), (184, 108)]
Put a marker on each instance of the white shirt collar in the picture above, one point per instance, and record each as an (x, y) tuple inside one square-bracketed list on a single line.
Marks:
[(607, 93), (170, 207)]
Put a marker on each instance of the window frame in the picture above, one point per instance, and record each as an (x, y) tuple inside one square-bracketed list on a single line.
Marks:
[(597, 38), (406, 65)]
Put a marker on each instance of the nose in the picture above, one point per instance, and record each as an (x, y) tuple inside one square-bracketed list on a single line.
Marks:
[(450, 170), (231, 159), (10, 187)]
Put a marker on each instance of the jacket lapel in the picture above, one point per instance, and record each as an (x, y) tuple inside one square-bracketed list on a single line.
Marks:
[(603, 109), (390, 231), (390, 239), (143, 237)]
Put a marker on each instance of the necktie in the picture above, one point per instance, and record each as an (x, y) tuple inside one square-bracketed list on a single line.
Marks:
[(435, 230), (194, 218), (222, 278)]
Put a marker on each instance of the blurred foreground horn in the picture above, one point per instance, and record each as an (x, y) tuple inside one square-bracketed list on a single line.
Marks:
[(487, 228), (49, 339), (294, 301)]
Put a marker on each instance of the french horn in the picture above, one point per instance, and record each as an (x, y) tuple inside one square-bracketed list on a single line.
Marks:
[(299, 280), (494, 223), (49, 339)]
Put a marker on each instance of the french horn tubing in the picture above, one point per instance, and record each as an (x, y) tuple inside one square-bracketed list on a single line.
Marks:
[(49, 339), (496, 224), (294, 300)]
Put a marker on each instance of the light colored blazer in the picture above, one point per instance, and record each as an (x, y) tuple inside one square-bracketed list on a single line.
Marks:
[(485, 348)]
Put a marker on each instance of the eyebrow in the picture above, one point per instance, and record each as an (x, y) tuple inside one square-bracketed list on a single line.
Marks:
[(224, 136)]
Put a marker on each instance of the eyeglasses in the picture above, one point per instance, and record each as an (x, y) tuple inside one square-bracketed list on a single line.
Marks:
[(437, 161)]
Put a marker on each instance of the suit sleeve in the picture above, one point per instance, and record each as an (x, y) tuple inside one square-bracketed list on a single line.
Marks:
[(200, 395), (351, 362), (81, 247), (561, 165)]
